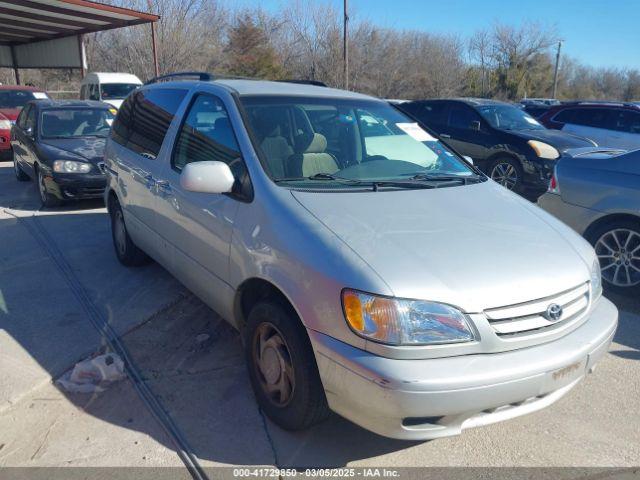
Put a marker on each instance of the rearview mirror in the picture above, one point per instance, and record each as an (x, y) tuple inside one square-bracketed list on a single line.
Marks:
[(475, 125), (207, 177), (468, 159)]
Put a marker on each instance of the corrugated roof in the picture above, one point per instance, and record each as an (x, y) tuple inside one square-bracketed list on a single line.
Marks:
[(26, 21)]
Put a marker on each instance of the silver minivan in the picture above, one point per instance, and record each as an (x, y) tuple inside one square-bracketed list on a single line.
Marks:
[(370, 269)]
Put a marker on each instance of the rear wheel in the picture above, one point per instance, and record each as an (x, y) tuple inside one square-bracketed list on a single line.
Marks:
[(282, 367), (617, 245), (47, 199), (127, 252), (20, 175), (507, 172)]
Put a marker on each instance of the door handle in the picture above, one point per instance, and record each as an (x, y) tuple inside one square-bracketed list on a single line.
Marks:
[(149, 181), (445, 135)]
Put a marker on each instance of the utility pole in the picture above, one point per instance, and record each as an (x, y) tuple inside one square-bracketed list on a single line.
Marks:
[(555, 73), (345, 48)]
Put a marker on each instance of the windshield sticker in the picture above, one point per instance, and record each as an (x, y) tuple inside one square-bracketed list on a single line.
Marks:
[(415, 132), (113, 111), (532, 121), (109, 121), (40, 95)]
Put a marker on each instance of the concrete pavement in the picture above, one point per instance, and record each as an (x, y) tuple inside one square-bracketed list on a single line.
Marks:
[(201, 381)]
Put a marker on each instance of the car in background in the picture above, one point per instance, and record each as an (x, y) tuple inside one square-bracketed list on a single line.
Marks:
[(60, 144), (511, 146), (597, 193), (12, 99), (535, 110), (540, 101), (111, 88), (610, 124)]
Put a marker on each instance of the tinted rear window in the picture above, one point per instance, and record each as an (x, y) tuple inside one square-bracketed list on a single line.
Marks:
[(145, 117), (588, 117)]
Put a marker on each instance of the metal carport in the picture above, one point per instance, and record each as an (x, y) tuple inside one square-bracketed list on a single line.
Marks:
[(48, 33)]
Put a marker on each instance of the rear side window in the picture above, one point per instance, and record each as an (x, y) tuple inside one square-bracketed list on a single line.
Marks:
[(592, 117), (565, 116), (122, 125), (145, 117), (206, 134)]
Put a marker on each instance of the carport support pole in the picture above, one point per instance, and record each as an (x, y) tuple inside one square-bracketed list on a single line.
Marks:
[(154, 47), (15, 65)]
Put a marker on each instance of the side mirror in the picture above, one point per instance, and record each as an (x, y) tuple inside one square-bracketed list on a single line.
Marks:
[(468, 159), (475, 125), (207, 177)]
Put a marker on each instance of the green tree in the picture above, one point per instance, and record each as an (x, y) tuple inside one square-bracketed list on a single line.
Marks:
[(249, 51)]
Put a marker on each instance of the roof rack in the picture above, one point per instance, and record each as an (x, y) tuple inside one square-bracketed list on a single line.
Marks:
[(210, 77), (316, 83)]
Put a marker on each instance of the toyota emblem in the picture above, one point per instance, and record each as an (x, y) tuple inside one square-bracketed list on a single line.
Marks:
[(554, 312)]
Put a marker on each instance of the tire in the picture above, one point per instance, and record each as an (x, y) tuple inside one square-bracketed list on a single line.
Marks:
[(46, 198), (20, 175), (284, 343), (617, 245), (127, 252), (507, 172)]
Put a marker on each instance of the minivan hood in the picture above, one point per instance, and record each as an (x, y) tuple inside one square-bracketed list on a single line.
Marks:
[(556, 138), (89, 148), (474, 247)]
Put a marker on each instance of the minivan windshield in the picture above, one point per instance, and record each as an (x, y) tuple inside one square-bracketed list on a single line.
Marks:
[(76, 122), (116, 91), (331, 142), (508, 117)]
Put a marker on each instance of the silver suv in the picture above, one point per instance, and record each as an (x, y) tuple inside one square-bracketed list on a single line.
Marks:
[(371, 270)]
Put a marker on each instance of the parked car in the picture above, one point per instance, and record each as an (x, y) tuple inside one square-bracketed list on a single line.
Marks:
[(540, 101), (505, 142), (402, 290), (536, 110), (598, 195), (609, 124), (60, 143), (111, 88), (12, 99)]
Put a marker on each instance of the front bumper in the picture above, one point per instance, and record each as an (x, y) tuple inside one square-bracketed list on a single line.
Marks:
[(76, 186), (426, 399)]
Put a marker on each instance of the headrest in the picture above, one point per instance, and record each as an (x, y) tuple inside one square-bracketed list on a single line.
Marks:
[(315, 143)]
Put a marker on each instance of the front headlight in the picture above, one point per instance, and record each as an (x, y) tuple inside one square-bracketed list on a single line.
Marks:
[(70, 166), (544, 150), (596, 280), (397, 321)]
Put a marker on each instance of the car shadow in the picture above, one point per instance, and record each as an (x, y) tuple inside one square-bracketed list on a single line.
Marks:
[(189, 357)]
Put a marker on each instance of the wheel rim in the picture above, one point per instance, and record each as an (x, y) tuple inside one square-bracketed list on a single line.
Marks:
[(505, 174), (618, 251), (120, 233), (42, 187), (273, 365)]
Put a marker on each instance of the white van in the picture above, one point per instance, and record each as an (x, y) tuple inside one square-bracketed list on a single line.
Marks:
[(112, 88)]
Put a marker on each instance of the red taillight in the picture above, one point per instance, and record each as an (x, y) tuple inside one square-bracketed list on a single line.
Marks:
[(553, 184)]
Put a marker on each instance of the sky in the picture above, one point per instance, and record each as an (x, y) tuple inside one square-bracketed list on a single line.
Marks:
[(595, 32)]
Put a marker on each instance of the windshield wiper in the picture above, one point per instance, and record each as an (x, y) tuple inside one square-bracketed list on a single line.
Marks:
[(375, 184), (465, 179)]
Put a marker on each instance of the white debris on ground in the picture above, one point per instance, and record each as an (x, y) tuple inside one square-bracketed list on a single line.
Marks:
[(93, 375)]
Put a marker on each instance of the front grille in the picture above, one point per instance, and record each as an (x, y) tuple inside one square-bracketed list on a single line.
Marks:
[(531, 317)]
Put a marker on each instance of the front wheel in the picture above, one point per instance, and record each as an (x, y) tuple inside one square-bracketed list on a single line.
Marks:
[(507, 172), (20, 175), (617, 245), (47, 199), (282, 367)]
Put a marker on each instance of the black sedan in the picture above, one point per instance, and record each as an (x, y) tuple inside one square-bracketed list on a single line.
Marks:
[(512, 147), (60, 144)]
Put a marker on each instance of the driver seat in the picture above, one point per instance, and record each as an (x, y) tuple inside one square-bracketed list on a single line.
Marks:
[(310, 157)]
